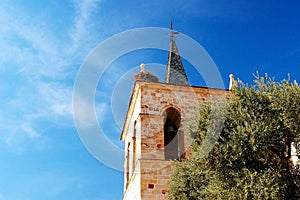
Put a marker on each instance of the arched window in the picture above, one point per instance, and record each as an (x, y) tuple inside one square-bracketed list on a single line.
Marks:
[(127, 164), (134, 146), (171, 135)]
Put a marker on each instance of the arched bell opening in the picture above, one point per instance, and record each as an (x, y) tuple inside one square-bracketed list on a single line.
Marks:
[(172, 137)]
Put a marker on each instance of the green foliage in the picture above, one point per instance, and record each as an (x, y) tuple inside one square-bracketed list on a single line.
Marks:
[(251, 159)]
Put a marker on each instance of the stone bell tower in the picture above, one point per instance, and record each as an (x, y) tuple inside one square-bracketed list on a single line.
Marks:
[(154, 129)]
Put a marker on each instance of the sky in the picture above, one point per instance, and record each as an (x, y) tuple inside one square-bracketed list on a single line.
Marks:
[(46, 44)]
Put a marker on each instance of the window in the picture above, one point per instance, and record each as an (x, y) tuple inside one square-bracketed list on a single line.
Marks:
[(127, 165), (134, 159)]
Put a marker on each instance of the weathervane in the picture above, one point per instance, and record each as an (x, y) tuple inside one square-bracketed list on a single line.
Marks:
[(171, 29)]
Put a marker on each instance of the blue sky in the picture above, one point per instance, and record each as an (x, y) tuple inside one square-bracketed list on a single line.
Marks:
[(44, 43)]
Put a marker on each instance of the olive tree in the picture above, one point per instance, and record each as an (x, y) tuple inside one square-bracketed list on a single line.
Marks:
[(252, 157)]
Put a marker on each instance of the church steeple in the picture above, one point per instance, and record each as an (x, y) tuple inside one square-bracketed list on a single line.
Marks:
[(155, 128), (175, 72)]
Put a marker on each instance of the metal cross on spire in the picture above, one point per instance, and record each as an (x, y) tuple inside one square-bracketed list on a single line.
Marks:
[(171, 29)]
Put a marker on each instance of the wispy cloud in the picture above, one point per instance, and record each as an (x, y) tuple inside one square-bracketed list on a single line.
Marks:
[(30, 132), (16, 136), (44, 60), (29, 43), (82, 31), (57, 96), (101, 110)]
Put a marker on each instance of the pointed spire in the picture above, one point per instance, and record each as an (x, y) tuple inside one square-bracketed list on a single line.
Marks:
[(175, 72)]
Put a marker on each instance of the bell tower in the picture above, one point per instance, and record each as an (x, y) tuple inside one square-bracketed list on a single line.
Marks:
[(154, 129)]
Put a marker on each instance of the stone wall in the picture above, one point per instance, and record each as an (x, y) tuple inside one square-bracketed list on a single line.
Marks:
[(143, 133), (154, 179)]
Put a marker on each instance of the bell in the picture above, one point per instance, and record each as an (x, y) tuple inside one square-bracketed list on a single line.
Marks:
[(170, 129)]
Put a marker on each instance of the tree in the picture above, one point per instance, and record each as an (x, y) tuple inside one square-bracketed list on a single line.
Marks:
[(252, 157)]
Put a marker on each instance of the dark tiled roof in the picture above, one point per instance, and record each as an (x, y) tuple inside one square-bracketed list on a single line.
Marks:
[(175, 72)]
